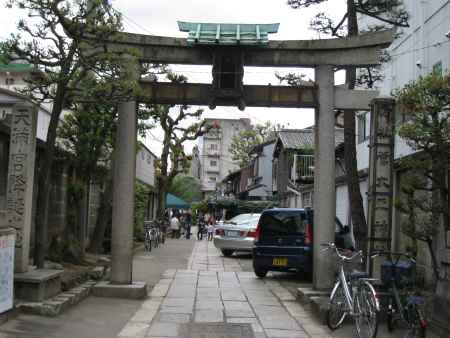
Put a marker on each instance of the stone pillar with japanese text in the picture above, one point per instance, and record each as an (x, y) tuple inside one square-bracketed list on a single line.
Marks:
[(19, 194), (381, 178)]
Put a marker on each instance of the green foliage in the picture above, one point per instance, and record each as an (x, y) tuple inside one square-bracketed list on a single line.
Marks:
[(426, 129), (243, 143), (186, 187), (140, 207)]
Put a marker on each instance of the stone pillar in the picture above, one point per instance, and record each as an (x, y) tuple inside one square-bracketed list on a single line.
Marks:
[(324, 178), (19, 194), (381, 179), (123, 195)]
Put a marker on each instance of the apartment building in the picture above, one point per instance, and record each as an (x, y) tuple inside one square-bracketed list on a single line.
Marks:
[(215, 157)]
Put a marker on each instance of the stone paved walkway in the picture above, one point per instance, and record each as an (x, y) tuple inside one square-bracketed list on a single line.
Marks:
[(214, 296)]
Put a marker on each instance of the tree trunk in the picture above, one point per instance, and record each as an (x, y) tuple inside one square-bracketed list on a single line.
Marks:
[(104, 215), (83, 216), (162, 192), (44, 183), (351, 164)]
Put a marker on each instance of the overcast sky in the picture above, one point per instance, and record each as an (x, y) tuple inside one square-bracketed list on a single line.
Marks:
[(159, 17)]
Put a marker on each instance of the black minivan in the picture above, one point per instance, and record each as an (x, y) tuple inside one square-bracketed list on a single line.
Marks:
[(284, 241)]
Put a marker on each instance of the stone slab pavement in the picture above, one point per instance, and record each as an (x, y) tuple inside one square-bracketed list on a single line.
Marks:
[(216, 297), (103, 317)]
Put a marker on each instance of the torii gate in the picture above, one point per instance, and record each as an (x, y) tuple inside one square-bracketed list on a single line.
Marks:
[(230, 47)]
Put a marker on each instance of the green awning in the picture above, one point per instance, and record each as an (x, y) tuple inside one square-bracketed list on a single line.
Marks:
[(227, 33), (173, 201)]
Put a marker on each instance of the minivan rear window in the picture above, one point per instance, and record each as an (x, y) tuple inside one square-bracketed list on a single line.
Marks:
[(283, 223)]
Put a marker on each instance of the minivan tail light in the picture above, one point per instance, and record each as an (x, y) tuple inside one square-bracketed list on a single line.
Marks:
[(255, 233), (308, 234)]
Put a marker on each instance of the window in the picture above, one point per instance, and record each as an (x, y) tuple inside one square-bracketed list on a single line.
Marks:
[(9, 81), (142, 155), (212, 179), (307, 199), (149, 159), (213, 163), (213, 146), (363, 127), (283, 223)]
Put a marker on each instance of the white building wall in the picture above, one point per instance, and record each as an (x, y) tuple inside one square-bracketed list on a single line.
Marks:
[(145, 166)]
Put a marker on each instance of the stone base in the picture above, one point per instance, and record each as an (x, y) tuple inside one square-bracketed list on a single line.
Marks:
[(304, 295), (56, 305), (8, 315), (137, 290), (37, 285)]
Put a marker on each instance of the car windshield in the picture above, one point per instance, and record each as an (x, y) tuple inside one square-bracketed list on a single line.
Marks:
[(243, 218)]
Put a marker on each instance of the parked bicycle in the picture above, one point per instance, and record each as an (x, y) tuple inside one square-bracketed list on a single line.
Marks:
[(152, 235), (353, 295), (404, 303)]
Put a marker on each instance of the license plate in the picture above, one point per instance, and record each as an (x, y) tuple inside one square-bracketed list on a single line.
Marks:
[(233, 233), (280, 262)]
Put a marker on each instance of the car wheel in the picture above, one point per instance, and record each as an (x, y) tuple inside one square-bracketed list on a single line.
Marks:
[(227, 252), (261, 273)]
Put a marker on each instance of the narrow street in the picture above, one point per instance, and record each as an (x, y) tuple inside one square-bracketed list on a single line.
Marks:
[(215, 298), (195, 292)]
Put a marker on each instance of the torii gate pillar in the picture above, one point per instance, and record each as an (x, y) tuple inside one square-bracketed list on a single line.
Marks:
[(324, 177), (121, 284)]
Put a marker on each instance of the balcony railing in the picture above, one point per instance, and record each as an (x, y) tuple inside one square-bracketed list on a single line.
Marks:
[(303, 169)]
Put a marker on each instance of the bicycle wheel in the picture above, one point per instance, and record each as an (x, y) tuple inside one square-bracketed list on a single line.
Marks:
[(337, 310), (366, 310), (415, 327), (390, 318), (147, 243)]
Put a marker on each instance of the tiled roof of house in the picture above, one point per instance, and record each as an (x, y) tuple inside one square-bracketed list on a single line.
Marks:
[(304, 138), (227, 33)]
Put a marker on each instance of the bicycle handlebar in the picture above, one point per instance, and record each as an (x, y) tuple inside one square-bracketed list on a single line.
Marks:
[(332, 246), (391, 254)]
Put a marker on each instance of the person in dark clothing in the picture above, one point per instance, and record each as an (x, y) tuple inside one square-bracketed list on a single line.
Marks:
[(188, 224), (200, 230)]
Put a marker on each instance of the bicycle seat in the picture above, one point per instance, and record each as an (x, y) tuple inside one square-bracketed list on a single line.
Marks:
[(359, 274)]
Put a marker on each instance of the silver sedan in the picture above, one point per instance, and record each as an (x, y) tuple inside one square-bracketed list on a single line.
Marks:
[(236, 234)]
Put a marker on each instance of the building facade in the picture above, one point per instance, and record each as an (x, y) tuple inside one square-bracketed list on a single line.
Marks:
[(215, 159), (146, 174)]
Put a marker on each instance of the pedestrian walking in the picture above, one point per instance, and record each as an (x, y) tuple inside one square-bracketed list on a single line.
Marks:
[(175, 226), (201, 227), (188, 224), (210, 232)]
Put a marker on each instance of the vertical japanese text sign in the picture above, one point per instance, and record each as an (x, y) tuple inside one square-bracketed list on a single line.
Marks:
[(382, 123), (19, 195)]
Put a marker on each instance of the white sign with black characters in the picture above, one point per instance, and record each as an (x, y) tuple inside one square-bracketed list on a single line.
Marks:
[(6, 271)]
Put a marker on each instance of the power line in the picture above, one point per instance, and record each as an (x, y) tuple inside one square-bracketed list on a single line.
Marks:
[(436, 44), (127, 18)]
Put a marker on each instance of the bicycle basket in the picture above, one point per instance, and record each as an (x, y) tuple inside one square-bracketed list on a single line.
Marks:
[(403, 273)]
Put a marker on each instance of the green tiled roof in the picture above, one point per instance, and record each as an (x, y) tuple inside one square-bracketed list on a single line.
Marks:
[(15, 67), (227, 33)]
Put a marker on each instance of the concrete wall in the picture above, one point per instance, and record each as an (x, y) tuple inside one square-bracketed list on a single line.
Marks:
[(57, 213)]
